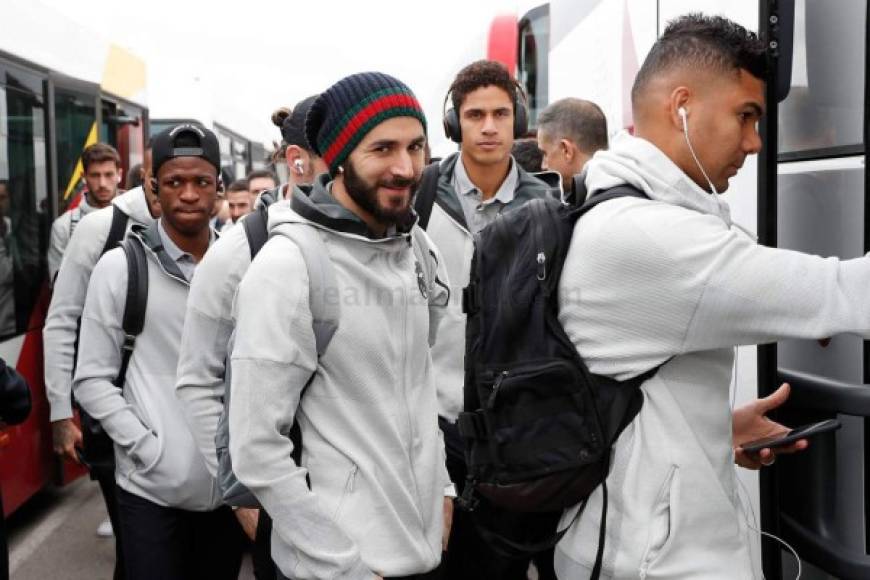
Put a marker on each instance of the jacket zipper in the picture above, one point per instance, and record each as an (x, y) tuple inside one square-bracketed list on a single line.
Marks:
[(409, 449)]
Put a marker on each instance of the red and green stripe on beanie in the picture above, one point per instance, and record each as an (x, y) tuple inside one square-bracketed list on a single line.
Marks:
[(345, 113)]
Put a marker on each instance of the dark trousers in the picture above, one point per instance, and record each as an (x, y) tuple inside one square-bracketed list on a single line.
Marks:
[(469, 556), (261, 549), (105, 476), (436, 574), (174, 544)]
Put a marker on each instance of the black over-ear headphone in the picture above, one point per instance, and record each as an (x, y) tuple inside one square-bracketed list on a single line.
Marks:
[(453, 130)]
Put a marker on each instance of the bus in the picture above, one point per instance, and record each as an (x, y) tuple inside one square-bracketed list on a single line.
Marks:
[(51, 108), (807, 190)]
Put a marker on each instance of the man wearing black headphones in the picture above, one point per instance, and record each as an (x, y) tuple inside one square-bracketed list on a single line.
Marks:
[(487, 113)]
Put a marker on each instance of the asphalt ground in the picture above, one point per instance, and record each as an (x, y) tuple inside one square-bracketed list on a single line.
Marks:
[(54, 536)]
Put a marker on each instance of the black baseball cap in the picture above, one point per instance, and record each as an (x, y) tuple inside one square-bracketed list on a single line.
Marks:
[(185, 140)]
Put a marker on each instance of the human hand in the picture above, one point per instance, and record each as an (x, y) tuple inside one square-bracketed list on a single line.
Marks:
[(448, 522), (66, 437), (750, 423), (248, 519)]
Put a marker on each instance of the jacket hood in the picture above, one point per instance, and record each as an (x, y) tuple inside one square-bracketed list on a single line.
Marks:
[(638, 162), (528, 187), (315, 204), (135, 205)]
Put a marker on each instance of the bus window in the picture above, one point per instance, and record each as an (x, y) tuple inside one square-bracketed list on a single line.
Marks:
[(825, 107), (533, 52), (122, 128), (75, 115), (25, 215)]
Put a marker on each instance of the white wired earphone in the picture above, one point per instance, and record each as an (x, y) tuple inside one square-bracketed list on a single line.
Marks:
[(684, 116), (753, 525)]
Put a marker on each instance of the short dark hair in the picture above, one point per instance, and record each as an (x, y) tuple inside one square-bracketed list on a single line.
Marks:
[(258, 173), (704, 42), (527, 153), (582, 122), (99, 153), (238, 185), (479, 74), (134, 177)]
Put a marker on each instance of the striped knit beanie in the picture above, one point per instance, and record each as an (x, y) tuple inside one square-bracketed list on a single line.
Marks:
[(343, 114)]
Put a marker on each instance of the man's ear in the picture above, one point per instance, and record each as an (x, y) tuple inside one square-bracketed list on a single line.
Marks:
[(680, 98), (120, 175), (567, 149), (154, 188), (291, 154), (220, 186)]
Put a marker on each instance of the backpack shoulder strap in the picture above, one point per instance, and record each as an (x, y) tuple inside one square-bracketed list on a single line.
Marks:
[(425, 257), (426, 191), (116, 230), (136, 303), (256, 226), (623, 190), (74, 219), (325, 309)]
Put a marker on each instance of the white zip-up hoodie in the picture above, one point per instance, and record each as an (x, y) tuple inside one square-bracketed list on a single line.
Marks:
[(68, 299), (371, 444), (156, 457), (207, 328), (647, 280), (61, 231)]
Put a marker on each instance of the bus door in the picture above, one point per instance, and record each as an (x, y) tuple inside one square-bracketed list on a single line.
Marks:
[(75, 127), (813, 197), (122, 125)]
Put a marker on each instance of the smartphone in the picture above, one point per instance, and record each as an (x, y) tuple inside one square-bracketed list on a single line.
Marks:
[(804, 432)]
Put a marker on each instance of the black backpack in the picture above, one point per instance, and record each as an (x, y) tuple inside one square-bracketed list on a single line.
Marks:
[(98, 446), (537, 425)]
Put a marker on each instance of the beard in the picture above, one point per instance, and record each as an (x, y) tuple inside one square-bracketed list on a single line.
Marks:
[(365, 195)]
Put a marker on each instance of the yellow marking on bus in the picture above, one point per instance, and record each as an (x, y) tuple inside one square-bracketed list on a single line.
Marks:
[(79, 171), (124, 74)]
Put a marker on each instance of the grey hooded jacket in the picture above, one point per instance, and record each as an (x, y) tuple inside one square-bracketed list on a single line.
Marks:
[(371, 444), (70, 287), (155, 454)]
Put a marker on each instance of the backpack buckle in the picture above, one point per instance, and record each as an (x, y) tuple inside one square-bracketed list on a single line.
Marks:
[(129, 342), (467, 501)]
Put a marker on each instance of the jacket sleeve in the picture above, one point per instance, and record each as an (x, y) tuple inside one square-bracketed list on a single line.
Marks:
[(204, 343), (15, 400), (273, 358), (100, 360), (655, 281), (57, 244), (65, 310)]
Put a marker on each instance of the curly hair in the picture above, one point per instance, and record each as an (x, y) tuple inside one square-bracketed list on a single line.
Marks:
[(703, 42), (479, 74)]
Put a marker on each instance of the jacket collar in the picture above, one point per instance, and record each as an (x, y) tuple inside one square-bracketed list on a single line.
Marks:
[(527, 187)]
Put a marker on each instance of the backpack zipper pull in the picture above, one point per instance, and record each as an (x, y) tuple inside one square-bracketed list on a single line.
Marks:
[(542, 266), (495, 387)]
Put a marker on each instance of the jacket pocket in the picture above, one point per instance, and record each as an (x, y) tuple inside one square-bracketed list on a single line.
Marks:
[(349, 484), (661, 528), (150, 453)]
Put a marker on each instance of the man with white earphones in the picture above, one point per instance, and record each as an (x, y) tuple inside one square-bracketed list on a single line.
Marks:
[(667, 281)]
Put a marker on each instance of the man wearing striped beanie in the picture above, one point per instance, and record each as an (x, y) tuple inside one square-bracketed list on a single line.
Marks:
[(369, 173), (334, 320)]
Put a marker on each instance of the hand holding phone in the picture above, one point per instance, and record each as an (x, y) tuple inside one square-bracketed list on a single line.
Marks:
[(803, 432)]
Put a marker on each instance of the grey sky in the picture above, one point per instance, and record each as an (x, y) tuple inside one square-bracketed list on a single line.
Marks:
[(242, 59)]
